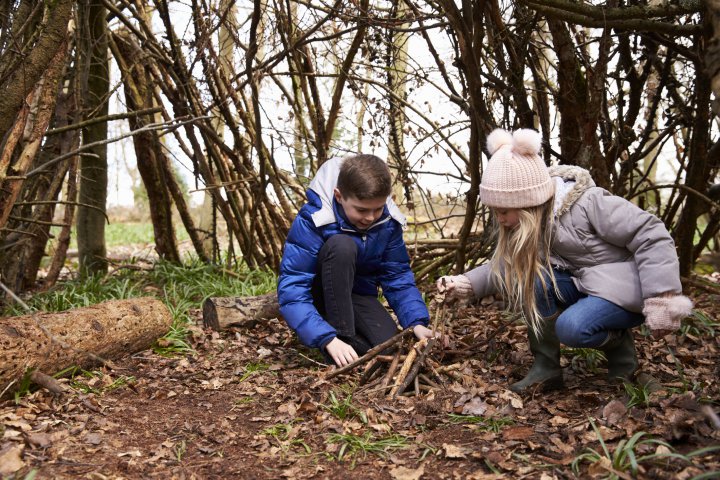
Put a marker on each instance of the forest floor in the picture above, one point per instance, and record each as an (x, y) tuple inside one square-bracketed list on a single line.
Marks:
[(253, 403)]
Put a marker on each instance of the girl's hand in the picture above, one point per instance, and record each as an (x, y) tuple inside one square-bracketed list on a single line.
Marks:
[(342, 353), (455, 286), (422, 331), (664, 312)]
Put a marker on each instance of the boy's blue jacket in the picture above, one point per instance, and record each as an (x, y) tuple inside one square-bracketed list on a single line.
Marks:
[(382, 259)]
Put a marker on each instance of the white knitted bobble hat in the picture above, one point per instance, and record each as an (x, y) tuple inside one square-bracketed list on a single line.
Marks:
[(516, 176)]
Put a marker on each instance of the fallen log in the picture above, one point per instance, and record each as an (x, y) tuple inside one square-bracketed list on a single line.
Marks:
[(220, 313), (84, 337)]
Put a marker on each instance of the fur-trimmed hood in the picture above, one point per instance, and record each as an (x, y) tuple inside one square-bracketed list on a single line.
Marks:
[(324, 183), (570, 183)]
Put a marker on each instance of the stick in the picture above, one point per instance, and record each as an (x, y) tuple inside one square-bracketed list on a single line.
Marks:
[(405, 369), (370, 354), (387, 358), (426, 347), (391, 370), (47, 382), (369, 371), (711, 415), (427, 380)]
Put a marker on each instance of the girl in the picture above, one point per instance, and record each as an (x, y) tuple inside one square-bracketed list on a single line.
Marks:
[(581, 265)]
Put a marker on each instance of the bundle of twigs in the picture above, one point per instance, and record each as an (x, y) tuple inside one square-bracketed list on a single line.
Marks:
[(398, 364)]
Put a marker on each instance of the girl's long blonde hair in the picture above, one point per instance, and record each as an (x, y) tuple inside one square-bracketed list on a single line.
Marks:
[(522, 256)]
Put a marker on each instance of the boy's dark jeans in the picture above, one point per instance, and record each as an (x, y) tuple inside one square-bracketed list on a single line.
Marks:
[(360, 320)]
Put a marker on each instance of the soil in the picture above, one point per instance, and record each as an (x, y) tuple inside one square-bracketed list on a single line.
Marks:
[(253, 404)]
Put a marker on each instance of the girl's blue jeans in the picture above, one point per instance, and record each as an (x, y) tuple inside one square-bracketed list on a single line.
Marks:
[(586, 320)]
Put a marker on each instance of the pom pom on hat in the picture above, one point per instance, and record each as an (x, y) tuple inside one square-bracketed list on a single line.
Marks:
[(527, 141), (497, 139), (515, 177)]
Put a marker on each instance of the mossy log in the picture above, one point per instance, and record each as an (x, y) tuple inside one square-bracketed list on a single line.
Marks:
[(220, 313), (84, 337)]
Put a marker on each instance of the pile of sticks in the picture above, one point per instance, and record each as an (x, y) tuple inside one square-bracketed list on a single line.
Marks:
[(396, 365)]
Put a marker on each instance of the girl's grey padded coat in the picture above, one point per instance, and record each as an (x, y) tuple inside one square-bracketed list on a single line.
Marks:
[(613, 249)]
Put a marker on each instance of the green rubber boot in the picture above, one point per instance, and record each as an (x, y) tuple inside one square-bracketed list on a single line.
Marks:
[(619, 350), (545, 373)]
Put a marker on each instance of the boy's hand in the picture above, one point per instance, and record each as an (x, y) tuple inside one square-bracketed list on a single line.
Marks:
[(422, 331), (342, 353), (455, 286)]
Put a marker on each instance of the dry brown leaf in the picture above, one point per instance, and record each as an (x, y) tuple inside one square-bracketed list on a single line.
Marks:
[(93, 438), (476, 406), (557, 420), (10, 459), (482, 475), (518, 433), (454, 451), (403, 473), (513, 398), (20, 424), (606, 433), (131, 453), (614, 412), (561, 446), (39, 439)]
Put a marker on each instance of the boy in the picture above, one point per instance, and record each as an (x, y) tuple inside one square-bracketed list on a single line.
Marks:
[(345, 242)]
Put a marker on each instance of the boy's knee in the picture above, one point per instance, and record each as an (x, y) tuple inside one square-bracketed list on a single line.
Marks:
[(340, 246)]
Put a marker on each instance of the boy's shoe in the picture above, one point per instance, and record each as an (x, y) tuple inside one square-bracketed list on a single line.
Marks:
[(545, 373)]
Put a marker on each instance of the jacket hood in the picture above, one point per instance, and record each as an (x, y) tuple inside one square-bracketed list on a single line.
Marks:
[(324, 183), (570, 183)]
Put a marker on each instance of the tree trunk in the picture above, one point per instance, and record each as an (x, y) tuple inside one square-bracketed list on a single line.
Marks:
[(148, 149), (397, 96), (696, 177), (35, 60), (93, 165), (578, 116), (63, 239), (51, 342), (220, 313)]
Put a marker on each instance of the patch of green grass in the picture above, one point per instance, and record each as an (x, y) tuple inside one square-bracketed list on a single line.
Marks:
[(588, 359), (182, 288), (638, 394), (624, 457), (251, 369), (341, 406), (23, 388), (180, 449), (126, 233), (89, 382), (82, 293), (352, 445), (31, 474), (699, 324), (489, 424), (281, 433)]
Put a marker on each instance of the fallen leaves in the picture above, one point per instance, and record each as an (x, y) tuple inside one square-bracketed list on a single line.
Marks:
[(614, 411), (10, 459), (455, 451), (404, 473), (194, 414)]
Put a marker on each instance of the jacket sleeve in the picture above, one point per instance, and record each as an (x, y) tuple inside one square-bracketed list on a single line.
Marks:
[(297, 271), (398, 283), (623, 224), (481, 281)]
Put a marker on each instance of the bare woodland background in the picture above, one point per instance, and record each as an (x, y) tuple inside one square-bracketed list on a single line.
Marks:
[(240, 90)]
